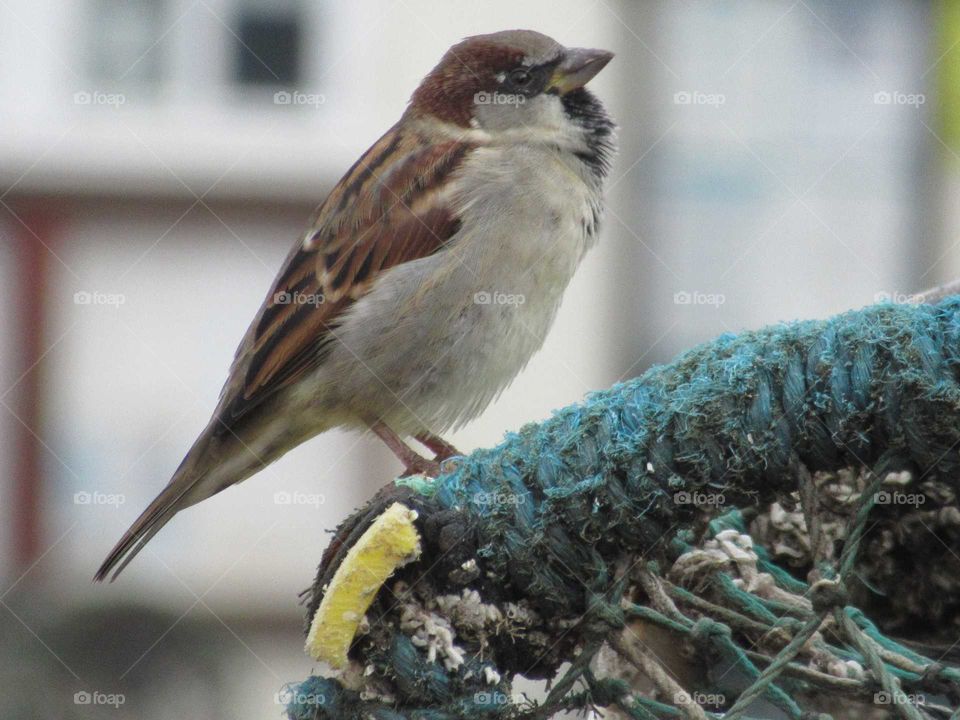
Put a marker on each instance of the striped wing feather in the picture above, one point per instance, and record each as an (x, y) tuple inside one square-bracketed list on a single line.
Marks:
[(390, 208)]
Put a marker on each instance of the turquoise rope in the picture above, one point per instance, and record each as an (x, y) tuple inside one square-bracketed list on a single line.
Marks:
[(597, 483)]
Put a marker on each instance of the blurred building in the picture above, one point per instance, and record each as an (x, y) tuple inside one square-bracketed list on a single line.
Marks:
[(159, 157)]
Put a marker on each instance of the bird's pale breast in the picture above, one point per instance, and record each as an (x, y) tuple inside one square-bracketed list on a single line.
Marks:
[(437, 339)]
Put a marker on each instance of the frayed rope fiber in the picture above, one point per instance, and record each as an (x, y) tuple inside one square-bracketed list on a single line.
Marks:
[(547, 520)]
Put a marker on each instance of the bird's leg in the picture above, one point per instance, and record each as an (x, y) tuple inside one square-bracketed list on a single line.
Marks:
[(440, 448), (413, 463)]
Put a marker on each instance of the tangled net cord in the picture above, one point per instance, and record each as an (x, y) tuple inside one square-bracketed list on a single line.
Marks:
[(592, 519)]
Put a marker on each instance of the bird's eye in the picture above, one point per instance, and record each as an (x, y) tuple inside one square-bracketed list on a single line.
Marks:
[(520, 78), (525, 81)]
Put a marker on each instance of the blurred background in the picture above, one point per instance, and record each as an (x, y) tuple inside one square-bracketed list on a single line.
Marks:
[(158, 158)]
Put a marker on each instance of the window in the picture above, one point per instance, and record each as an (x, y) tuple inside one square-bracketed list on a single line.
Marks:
[(268, 47)]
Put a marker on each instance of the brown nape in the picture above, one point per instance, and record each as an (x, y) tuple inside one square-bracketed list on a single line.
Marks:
[(466, 69)]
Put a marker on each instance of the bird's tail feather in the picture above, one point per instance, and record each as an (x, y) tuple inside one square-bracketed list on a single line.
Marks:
[(207, 469), (158, 513)]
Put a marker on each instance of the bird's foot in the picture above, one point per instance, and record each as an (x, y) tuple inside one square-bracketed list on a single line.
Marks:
[(419, 465), (441, 449), (413, 462)]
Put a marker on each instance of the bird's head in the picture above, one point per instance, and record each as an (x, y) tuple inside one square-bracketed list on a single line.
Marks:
[(510, 80)]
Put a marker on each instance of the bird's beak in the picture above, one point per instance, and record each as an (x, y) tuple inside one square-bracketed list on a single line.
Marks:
[(577, 68)]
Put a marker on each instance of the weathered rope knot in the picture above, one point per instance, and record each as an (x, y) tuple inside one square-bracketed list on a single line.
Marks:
[(827, 595), (604, 616), (709, 635)]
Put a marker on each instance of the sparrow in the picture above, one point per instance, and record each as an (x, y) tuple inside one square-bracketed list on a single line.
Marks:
[(425, 280)]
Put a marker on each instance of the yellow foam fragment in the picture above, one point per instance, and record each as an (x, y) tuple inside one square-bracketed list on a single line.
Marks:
[(390, 542)]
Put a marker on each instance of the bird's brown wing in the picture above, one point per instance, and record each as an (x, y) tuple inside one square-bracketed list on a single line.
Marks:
[(390, 208)]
